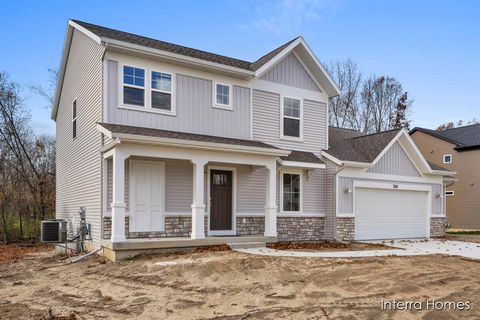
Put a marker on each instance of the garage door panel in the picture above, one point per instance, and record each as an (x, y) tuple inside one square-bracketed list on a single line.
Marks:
[(390, 214)]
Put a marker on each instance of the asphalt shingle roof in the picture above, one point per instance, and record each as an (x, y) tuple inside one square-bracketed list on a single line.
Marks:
[(351, 145), (302, 156), (463, 137), (141, 131), (175, 48)]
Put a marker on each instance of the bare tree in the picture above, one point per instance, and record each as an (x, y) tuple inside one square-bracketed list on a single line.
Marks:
[(459, 123), (375, 104), (384, 104), (348, 78), (29, 157), (48, 92)]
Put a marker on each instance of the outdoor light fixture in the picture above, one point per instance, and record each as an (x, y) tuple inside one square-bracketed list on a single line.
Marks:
[(347, 190)]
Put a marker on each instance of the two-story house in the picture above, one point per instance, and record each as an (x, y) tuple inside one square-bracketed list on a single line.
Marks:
[(169, 146), (457, 149)]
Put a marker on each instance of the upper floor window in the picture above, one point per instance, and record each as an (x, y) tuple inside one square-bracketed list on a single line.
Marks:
[(447, 158), (161, 91), (74, 119), (291, 118), (223, 95), (133, 86)]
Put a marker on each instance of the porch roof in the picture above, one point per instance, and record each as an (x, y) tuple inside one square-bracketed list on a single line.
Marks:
[(167, 136), (302, 156)]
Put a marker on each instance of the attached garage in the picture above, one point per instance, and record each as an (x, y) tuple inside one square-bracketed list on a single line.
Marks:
[(383, 187), (390, 213)]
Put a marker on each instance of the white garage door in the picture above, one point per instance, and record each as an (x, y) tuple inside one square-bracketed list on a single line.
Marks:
[(390, 214)]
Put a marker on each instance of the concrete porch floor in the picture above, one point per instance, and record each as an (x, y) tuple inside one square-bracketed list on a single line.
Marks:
[(132, 247)]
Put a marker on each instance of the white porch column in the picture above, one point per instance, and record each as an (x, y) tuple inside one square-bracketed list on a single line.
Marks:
[(271, 202), (118, 204), (198, 205)]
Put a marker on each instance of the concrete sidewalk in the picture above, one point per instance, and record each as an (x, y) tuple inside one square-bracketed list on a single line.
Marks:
[(402, 248)]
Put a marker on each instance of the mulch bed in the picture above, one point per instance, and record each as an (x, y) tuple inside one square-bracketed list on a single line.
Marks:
[(220, 247), (15, 252), (326, 246)]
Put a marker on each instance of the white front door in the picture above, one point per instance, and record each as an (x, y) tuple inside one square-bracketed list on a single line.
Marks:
[(147, 196), (390, 214)]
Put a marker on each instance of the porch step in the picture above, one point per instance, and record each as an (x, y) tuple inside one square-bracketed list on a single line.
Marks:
[(246, 245)]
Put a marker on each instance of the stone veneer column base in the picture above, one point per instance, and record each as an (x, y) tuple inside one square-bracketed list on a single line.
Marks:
[(250, 226), (437, 227), (345, 228)]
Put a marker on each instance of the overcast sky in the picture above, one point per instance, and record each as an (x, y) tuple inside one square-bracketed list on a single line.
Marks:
[(431, 47)]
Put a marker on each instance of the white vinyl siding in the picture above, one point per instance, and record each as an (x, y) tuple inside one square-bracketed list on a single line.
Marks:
[(194, 112), (266, 108), (290, 72), (78, 165), (395, 161)]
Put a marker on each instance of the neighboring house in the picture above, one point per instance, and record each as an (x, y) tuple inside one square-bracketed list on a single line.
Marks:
[(456, 149), (169, 146)]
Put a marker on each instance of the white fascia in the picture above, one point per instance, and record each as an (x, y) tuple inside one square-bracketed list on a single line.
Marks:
[(177, 57), (192, 144), (298, 164), (332, 158)]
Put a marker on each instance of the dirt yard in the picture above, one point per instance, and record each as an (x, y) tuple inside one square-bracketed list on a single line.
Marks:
[(231, 285)]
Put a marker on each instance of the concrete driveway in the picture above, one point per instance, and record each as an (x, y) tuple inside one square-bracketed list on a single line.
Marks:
[(402, 248)]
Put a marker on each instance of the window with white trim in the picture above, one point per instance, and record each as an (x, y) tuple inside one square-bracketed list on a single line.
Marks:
[(74, 119), (291, 118), (223, 95), (161, 95), (291, 192), (447, 158), (449, 193), (133, 86)]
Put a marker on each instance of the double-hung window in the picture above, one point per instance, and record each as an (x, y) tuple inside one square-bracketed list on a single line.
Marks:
[(161, 95), (133, 86), (222, 95), (291, 118), (74, 119), (291, 194)]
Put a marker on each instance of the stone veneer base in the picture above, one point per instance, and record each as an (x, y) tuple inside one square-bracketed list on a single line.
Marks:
[(288, 228), (437, 226)]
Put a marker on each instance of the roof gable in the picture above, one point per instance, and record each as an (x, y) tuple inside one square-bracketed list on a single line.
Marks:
[(309, 61), (395, 161), (290, 71), (349, 147)]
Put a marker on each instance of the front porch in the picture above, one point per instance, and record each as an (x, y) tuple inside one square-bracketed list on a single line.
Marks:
[(149, 188), (121, 250), (161, 193)]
